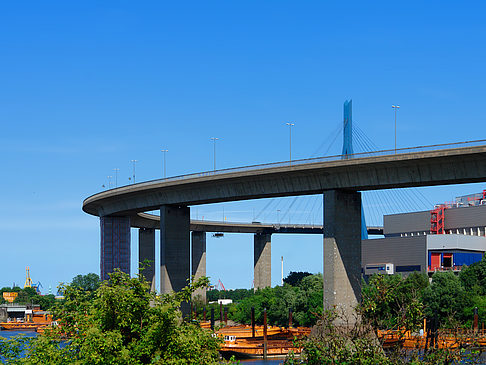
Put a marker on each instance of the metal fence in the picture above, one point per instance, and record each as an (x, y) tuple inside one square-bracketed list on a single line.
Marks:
[(389, 152)]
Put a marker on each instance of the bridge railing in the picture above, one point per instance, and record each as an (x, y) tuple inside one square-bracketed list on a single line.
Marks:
[(388, 152)]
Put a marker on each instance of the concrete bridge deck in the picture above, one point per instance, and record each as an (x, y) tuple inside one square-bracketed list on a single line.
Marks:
[(152, 221), (302, 177), (339, 180)]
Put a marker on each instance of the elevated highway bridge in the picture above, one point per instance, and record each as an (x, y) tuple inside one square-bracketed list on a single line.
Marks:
[(339, 180)]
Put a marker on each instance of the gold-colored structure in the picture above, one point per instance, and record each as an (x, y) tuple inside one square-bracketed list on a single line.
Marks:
[(28, 280)]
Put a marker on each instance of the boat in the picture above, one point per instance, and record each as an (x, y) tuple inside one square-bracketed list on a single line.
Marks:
[(240, 342), (33, 320)]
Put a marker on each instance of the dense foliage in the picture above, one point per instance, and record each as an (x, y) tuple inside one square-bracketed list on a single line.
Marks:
[(90, 282), (236, 295), (305, 300), (295, 277), (390, 301), (29, 296), (357, 344), (122, 323)]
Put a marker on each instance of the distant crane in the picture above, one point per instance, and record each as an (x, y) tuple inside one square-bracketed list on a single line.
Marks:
[(29, 283), (28, 280), (37, 287), (220, 285)]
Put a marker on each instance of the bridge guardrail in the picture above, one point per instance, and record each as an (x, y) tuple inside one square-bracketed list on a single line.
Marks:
[(388, 152)]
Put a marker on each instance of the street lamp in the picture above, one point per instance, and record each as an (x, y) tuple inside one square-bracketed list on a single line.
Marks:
[(290, 124), (396, 107), (109, 182), (134, 162), (116, 176), (214, 139), (165, 169)]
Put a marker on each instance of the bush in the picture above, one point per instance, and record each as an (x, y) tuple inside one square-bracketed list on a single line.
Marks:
[(123, 323)]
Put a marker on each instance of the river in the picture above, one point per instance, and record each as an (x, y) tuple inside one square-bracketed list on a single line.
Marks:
[(8, 334)]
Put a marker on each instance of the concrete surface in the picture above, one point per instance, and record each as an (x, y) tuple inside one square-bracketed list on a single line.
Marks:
[(262, 260)]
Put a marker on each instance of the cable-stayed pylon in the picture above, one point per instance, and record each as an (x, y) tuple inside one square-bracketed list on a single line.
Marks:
[(348, 151)]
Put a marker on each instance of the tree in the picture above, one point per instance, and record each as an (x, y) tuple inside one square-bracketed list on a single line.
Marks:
[(123, 323), (473, 277), (390, 301), (446, 298), (305, 300), (89, 282), (295, 277)]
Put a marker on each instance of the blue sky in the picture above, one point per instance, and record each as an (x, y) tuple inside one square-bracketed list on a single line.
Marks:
[(88, 86)]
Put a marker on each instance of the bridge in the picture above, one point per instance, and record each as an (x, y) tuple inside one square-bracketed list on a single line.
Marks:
[(339, 179), (152, 221)]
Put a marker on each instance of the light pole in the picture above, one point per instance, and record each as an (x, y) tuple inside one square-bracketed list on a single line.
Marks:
[(116, 176), (214, 139), (109, 182), (290, 124), (165, 169), (134, 162), (396, 107)]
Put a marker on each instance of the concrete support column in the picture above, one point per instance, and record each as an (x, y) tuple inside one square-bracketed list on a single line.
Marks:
[(146, 251), (198, 251), (262, 260), (174, 248), (342, 252), (115, 245)]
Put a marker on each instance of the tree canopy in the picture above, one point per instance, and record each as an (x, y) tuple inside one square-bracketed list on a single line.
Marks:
[(123, 323), (89, 282)]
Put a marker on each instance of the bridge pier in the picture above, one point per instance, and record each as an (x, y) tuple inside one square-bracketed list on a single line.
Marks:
[(115, 245), (174, 248), (262, 260), (198, 253), (146, 251), (342, 252)]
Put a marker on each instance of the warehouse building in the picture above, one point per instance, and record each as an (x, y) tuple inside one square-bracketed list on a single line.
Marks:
[(447, 238)]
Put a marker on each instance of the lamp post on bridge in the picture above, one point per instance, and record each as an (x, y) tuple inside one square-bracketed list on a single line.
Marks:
[(134, 162), (214, 139), (116, 176), (396, 107), (165, 170), (290, 124)]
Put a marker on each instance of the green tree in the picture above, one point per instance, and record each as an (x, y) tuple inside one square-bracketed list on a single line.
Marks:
[(122, 324), (295, 277), (89, 281), (390, 301), (305, 300), (446, 298)]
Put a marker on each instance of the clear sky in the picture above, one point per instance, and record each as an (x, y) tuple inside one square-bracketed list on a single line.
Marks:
[(88, 86)]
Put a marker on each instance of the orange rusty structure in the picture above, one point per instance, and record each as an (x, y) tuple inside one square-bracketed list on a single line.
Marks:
[(239, 340), (442, 339), (32, 321)]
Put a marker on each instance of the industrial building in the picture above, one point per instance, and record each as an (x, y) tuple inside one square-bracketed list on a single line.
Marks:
[(448, 237)]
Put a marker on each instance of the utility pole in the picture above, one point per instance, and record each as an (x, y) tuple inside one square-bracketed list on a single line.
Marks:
[(134, 162), (116, 176), (290, 124), (396, 107), (165, 169), (214, 139)]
